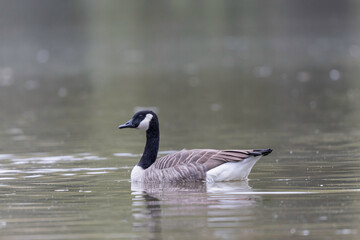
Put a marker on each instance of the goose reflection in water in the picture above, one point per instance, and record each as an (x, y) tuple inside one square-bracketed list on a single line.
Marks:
[(153, 202)]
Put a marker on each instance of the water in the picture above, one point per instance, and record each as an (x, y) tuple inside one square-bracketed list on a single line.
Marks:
[(239, 74)]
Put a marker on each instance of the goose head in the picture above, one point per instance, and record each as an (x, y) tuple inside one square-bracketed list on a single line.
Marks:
[(143, 120)]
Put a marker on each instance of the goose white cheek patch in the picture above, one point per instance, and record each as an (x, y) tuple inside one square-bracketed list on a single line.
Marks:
[(144, 124)]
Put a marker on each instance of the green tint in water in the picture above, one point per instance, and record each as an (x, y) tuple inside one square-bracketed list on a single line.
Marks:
[(222, 75)]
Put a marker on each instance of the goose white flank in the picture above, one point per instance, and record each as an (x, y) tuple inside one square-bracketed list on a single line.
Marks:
[(188, 165)]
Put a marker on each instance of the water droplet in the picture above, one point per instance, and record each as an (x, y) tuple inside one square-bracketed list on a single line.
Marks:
[(215, 107), (262, 71), (42, 56), (62, 92), (15, 131), (346, 231), (6, 76), (334, 75), (354, 51), (3, 224), (303, 77), (305, 232)]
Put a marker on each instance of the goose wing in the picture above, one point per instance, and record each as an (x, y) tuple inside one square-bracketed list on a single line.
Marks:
[(192, 165), (208, 158), (191, 172)]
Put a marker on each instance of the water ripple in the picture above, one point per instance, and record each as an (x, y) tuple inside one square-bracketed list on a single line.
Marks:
[(53, 159)]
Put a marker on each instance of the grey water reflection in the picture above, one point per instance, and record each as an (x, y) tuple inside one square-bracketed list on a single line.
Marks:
[(167, 204)]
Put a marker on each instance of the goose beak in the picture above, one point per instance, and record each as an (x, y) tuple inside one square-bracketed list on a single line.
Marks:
[(128, 124)]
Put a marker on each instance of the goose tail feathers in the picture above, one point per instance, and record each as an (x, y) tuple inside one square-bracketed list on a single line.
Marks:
[(261, 152)]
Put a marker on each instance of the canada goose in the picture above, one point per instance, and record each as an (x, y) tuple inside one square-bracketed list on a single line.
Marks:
[(187, 165)]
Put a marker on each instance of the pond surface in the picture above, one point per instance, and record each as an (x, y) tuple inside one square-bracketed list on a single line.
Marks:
[(239, 74)]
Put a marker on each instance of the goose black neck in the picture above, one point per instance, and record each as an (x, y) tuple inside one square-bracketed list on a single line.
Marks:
[(152, 145)]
